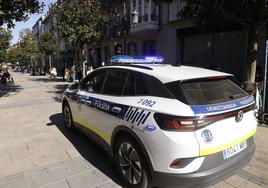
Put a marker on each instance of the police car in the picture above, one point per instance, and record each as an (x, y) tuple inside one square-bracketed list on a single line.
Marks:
[(165, 125)]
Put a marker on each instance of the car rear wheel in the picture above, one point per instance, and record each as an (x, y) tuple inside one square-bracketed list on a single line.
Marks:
[(68, 120), (130, 163)]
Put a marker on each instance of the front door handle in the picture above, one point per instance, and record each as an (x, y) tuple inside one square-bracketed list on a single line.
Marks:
[(85, 101), (116, 109)]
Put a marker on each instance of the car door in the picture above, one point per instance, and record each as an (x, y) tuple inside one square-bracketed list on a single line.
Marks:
[(100, 110)]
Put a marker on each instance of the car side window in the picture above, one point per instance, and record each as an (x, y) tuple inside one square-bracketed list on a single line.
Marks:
[(129, 89), (94, 82), (115, 82), (142, 85), (145, 85)]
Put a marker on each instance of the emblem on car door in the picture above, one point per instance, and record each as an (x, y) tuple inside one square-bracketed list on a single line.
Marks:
[(239, 116)]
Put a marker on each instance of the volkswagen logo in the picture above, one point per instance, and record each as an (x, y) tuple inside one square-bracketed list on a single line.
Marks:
[(239, 116)]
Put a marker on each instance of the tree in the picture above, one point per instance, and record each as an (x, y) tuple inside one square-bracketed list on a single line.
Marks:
[(5, 38), (48, 45), (28, 48), (17, 10), (219, 14), (81, 22), (13, 54)]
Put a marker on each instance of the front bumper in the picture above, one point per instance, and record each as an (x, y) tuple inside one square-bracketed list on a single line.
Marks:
[(213, 170)]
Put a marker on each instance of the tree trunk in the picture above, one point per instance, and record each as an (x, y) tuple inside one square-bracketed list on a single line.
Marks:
[(251, 54), (76, 51)]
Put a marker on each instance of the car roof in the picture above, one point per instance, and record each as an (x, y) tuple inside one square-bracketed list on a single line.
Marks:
[(169, 73)]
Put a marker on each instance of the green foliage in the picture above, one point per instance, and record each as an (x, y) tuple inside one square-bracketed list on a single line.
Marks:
[(26, 50), (81, 21), (17, 10), (48, 43), (14, 54), (221, 13), (5, 38)]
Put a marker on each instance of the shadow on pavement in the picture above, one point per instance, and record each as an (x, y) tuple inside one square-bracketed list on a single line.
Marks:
[(58, 91), (6, 90), (46, 79), (92, 152)]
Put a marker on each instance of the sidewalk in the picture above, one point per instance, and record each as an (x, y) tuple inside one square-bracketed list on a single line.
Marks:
[(255, 174), (37, 151), (35, 148)]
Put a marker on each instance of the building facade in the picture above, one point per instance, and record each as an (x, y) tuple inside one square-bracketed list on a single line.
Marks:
[(46, 24), (159, 31)]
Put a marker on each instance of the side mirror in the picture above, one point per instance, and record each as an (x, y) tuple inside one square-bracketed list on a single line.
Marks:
[(74, 86)]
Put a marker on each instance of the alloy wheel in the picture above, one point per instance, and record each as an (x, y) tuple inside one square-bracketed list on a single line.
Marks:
[(130, 163), (67, 116)]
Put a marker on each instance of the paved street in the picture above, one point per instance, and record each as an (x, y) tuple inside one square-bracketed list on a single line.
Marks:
[(37, 151)]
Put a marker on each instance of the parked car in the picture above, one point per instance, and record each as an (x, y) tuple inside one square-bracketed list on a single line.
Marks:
[(165, 125)]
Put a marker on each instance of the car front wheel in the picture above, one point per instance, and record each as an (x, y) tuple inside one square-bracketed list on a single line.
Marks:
[(68, 120), (130, 163)]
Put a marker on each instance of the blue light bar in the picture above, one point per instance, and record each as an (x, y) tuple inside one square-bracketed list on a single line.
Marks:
[(137, 59)]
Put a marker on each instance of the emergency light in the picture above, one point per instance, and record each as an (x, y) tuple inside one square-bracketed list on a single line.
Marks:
[(137, 59)]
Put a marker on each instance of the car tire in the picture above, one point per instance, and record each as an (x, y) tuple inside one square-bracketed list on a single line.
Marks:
[(130, 163), (67, 116)]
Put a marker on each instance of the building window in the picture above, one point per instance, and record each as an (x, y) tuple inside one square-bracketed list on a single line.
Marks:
[(154, 12), (147, 9), (149, 47), (134, 4), (140, 10)]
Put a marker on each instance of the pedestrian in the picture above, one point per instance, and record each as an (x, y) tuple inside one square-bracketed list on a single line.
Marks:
[(53, 73), (67, 74), (89, 70), (73, 72)]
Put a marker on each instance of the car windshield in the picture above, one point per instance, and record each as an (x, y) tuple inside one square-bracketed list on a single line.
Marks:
[(206, 91)]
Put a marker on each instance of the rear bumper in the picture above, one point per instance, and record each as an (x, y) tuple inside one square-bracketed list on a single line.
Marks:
[(213, 170)]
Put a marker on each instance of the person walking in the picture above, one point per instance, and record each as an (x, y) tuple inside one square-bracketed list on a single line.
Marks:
[(89, 70), (73, 72)]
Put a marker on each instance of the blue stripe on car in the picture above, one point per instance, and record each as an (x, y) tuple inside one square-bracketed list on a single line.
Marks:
[(130, 114), (222, 107)]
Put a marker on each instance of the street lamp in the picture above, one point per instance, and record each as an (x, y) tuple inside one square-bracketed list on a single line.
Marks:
[(135, 17), (134, 21)]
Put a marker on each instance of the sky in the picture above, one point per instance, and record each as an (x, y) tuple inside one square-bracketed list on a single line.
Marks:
[(30, 22)]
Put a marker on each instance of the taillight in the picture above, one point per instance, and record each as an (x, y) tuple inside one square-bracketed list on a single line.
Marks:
[(175, 123)]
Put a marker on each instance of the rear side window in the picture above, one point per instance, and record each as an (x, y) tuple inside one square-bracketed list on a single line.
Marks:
[(145, 85), (206, 91), (130, 86), (115, 82)]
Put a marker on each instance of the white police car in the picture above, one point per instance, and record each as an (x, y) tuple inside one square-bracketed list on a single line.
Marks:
[(166, 126)]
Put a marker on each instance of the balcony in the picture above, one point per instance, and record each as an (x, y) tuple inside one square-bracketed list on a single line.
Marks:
[(148, 15)]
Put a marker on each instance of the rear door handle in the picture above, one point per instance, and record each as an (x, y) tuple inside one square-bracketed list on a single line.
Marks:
[(116, 109)]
